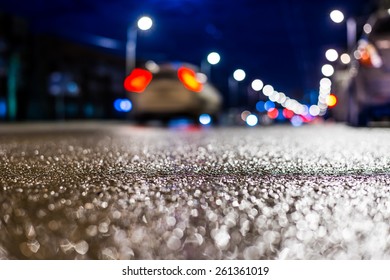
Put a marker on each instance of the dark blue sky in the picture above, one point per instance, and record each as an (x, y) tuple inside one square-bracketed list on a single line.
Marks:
[(281, 42)]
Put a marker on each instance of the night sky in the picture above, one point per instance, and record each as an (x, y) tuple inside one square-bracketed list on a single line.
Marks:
[(281, 42)]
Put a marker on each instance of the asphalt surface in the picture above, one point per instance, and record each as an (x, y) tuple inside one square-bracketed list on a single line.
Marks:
[(115, 191)]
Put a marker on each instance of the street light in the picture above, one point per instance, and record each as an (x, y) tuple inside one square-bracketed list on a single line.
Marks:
[(144, 23), (257, 85), (327, 70), (213, 58), (238, 76), (338, 17), (331, 55)]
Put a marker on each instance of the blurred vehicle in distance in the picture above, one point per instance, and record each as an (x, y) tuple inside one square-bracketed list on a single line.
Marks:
[(368, 89), (173, 90)]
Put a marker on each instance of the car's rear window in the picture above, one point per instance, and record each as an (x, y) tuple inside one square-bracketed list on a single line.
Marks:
[(165, 75)]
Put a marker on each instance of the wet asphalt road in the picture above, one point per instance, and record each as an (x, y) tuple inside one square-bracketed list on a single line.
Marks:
[(114, 191)]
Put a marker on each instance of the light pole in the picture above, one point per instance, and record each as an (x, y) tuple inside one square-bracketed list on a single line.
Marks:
[(338, 17), (144, 23), (238, 76), (213, 58)]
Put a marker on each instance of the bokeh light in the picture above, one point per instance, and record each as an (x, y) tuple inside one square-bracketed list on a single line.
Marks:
[(327, 70), (367, 28), (201, 78), (260, 106), (123, 105), (239, 75), (273, 113), (138, 80), (213, 58), (268, 90), (314, 110), (337, 16), (325, 83), (152, 66), (245, 114), (331, 100), (145, 23), (288, 114), (331, 55), (257, 85), (269, 105), (296, 121), (251, 120), (205, 119), (3, 108), (345, 58), (274, 96)]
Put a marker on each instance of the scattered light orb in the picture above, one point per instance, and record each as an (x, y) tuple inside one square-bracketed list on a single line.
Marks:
[(257, 85), (152, 66), (337, 16), (123, 105), (251, 120), (201, 78), (314, 110), (274, 96), (296, 121), (331, 55), (357, 54), (205, 119), (239, 75), (213, 58), (244, 115), (260, 106), (145, 23), (288, 114), (325, 83), (273, 113), (304, 110), (327, 70), (269, 105), (345, 58), (268, 90), (3, 108), (367, 28), (282, 98)]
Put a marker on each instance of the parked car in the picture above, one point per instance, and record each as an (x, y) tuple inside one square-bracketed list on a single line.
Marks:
[(369, 87), (173, 90)]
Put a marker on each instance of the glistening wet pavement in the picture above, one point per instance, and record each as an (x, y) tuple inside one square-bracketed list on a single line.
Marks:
[(112, 191)]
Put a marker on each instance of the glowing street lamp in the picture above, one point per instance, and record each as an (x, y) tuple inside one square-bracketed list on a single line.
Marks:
[(238, 76), (327, 70), (144, 23), (213, 58), (257, 85), (331, 55), (338, 17)]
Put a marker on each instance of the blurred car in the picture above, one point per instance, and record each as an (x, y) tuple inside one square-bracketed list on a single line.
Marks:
[(173, 90), (369, 87)]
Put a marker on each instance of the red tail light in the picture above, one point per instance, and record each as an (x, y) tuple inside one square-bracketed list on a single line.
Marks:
[(188, 78), (368, 55), (138, 80)]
